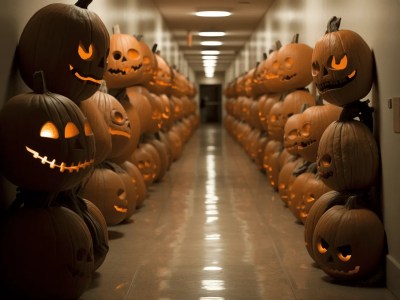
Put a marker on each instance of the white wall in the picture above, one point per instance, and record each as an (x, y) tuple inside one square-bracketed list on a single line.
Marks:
[(378, 22)]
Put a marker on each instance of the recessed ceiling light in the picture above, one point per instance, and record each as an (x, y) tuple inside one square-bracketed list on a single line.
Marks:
[(211, 43), (208, 57), (213, 13), (210, 52), (212, 33)]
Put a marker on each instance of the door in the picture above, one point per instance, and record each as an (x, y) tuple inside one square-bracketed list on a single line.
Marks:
[(211, 103)]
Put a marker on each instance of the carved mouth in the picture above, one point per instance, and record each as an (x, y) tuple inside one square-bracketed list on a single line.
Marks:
[(119, 132), (330, 85), (120, 209), (325, 175), (306, 143), (291, 147), (271, 76), (125, 70), (340, 272), (287, 77), (62, 167), (84, 78)]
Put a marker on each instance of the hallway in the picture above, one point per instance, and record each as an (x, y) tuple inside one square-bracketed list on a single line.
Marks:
[(214, 229)]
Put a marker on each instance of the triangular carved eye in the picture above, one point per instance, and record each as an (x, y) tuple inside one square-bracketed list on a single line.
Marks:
[(88, 129), (83, 53), (71, 130), (49, 130)]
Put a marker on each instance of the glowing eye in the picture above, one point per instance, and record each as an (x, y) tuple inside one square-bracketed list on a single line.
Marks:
[(310, 198), (146, 60), (49, 130), (273, 118), (288, 62), (322, 246), (281, 186), (292, 134), (315, 68), (344, 253), (71, 130), (338, 66), (133, 54), (121, 194), (305, 130), (326, 161), (117, 117), (275, 65), (85, 54), (88, 129)]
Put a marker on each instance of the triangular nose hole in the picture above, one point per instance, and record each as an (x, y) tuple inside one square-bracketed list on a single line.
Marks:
[(123, 58)]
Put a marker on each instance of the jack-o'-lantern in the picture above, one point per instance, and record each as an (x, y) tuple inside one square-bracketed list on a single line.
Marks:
[(107, 191), (314, 121), (146, 163), (162, 79), (286, 178), (149, 61), (348, 242), (124, 137), (291, 134), (164, 159), (294, 61), (137, 179), (347, 156), (294, 103), (266, 108), (48, 144), (167, 119), (45, 253), (321, 205), (342, 65), (271, 81), (125, 61), (135, 97), (70, 44), (275, 124)]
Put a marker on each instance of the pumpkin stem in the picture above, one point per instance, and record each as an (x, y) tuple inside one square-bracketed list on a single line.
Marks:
[(319, 100), (358, 109), (301, 169), (265, 55), (333, 25), (278, 44), (295, 39), (39, 82), (83, 3), (139, 37), (116, 29), (154, 49)]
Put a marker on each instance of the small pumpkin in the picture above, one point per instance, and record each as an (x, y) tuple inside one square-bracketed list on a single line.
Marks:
[(68, 42), (342, 65), (137, 179), (275, 122), (348, 242), (48, 144), (286, 179), (146, 163)]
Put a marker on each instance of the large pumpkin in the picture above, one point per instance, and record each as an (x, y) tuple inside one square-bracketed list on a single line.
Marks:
[(47, 143), (70, 44), (348, 156), (125, 61), (45, 253), (342, 65), (349, 242)]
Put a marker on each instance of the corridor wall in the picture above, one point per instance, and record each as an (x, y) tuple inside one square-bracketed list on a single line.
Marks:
[(378, 23), (133, 17)]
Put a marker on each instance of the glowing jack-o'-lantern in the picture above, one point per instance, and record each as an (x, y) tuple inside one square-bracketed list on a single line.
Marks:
[(347, 156), (46, 253), (106, 190), (70, 44), (342, 65), (294, 102), (314, 121), (146, 163), (137, 180), (48, 144), (348, 242), (294, 60), (291, 136), (275, 124), (162, 78), (149, 61), (125, 61)]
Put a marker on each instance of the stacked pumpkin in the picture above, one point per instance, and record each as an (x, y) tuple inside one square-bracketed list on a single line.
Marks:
[(347, 162), (52, 240)]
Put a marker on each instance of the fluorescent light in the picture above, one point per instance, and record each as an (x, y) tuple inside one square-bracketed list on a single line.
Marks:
[(210, 52), (212, 33), (208, 57), (213, 13), (209, 62), (211, 43)]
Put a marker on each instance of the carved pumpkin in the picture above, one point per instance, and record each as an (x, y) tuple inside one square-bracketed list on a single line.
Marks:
[(286, 178), (45, 253), (106, 190), (135, 97), (164, 159), (162, 79), (291, 136), (125, 61), (348, 156), (321, 205), (137, 179), (272, 82), (342, 65), (294, 103), (70, 44), (275, 122), (146, 163), (348, 242), (294, 61), (48, 144), (314, 121), (149, 61)]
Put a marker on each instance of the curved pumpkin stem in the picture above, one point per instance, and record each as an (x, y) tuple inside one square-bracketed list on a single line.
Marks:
[(39, 82), (358, 109), (278, 44), (116, 29), (301, 169), (154, 49), (295, 39), (333, 24), (83, 3), (265, 56)]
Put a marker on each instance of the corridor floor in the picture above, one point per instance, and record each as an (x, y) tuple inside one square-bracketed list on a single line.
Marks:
[(213, 229)]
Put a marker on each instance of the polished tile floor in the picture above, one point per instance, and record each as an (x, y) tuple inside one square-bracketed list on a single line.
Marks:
[(213, 229)]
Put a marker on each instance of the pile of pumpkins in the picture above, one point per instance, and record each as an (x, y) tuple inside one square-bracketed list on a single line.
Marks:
[(317, 149), (106, 118)]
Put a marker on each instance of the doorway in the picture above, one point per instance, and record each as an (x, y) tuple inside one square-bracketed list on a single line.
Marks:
[(211, 103)]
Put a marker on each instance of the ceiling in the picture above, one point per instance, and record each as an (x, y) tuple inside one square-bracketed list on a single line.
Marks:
[(181, 21)]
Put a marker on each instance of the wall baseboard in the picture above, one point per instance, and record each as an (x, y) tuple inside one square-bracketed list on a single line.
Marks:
[(393, 276)]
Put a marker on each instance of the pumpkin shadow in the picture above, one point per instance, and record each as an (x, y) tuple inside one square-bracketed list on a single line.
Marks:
[(114, 235), (95, 280)]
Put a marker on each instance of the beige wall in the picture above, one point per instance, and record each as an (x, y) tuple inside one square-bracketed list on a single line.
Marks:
[(378, 22)]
